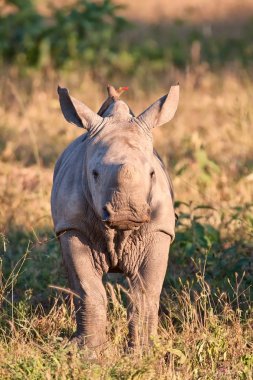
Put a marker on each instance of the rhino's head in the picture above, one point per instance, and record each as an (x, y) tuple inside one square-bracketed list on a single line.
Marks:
[(119, 168)]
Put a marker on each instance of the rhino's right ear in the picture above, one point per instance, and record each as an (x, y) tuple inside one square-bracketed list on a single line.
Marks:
[(76, 112), (162, 111)]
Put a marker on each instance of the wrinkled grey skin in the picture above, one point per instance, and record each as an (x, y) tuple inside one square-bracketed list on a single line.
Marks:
[(112, 207)]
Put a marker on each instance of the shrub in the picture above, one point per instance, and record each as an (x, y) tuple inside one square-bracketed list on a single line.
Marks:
[(84, 30)]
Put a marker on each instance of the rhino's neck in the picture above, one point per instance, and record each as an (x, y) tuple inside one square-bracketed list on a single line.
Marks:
[(103, 239)]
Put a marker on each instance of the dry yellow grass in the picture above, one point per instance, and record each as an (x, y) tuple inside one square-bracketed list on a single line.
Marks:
[(208, 148), (214, 116), (193, 10)]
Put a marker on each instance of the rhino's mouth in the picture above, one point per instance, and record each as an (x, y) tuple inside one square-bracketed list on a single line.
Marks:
[(127, 224), (126, 219)]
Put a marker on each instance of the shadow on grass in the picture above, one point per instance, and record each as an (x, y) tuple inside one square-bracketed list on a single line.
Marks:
[(209, 277), (31, 263)]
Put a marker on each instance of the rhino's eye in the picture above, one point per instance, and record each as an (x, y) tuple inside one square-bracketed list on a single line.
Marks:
[(152, 174), (95, 174)]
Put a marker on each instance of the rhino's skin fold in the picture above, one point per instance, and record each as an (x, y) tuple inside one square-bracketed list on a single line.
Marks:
[(112, 207)]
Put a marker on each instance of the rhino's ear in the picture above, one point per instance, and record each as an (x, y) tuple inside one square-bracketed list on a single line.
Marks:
[(76, 112), (162, 111)]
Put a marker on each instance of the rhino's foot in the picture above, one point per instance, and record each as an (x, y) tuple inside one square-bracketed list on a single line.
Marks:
[(77, 340), (77, 344), (137, 349)]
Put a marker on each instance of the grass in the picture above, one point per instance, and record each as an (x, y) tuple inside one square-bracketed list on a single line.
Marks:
[(206, 308), (204, 332), (205, 327)]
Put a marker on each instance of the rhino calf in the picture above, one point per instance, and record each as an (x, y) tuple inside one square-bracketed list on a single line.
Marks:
[(112, 207)]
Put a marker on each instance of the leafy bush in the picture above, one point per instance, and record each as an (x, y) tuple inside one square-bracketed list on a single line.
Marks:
[(90, 32), (85, 30), (200, 244)]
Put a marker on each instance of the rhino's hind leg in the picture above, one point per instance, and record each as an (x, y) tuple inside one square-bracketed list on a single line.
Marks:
[(145, 290), (90, 299)]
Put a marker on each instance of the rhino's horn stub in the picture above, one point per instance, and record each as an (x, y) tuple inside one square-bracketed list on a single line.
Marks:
[(113, 106)]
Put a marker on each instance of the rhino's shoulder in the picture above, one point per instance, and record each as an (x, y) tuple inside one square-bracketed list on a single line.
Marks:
[(162, 208), (166, 174), (67, 202), (68, 152)]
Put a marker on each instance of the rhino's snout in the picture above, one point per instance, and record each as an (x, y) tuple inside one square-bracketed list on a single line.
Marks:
[(126, 219)]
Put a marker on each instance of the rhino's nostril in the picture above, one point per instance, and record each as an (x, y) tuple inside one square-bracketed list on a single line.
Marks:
[(106, 214)]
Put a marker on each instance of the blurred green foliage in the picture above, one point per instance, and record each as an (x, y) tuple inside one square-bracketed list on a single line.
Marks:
[(91, 33), (200, 244), (37, 263), (84, 31)]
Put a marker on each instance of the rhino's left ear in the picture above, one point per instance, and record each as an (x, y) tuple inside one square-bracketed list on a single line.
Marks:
[(162, 111), (76, 112)]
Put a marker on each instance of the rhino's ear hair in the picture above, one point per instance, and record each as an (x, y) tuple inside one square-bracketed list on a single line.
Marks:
[(76, 112), (162, 111)]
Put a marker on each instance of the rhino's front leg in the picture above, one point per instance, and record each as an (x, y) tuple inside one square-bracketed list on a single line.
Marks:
[(91, 303), (145, 290)]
